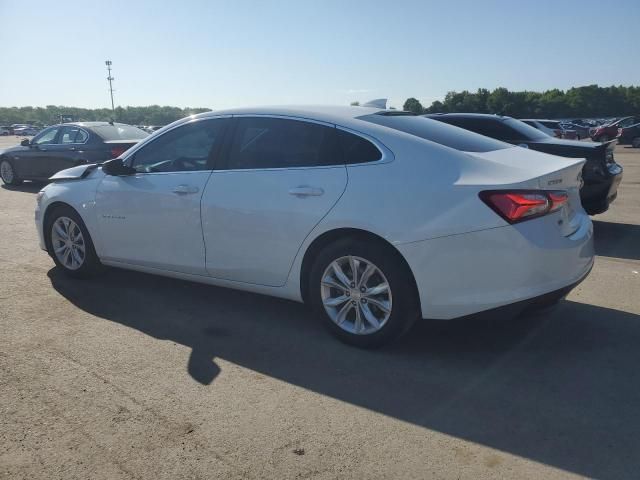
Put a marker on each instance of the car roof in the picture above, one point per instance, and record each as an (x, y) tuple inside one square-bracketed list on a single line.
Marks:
[(95, 124), (467, 115), (539, 120), (326, 113)]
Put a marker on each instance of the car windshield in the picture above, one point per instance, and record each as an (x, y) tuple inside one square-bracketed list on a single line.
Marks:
[(527, 131), (119, 132), (437, 132)]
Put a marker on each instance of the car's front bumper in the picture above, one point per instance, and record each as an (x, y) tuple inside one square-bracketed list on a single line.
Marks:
[(39, 227), (465, 274)]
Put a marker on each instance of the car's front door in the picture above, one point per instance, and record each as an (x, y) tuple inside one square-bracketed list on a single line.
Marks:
[(152, 218), (33, 160), (280, 177)]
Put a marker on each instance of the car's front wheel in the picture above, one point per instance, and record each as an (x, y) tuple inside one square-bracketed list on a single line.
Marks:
[(69, 243), (8, 174), (363, 292)]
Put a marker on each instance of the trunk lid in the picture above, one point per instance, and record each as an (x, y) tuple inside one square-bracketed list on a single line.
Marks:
[(528, 169)]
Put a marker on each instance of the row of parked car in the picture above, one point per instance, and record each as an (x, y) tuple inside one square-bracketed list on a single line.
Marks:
[(625, 129), (19, 129)]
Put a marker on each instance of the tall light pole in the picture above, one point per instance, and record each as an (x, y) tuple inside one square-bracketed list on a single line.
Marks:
[(110, 78)]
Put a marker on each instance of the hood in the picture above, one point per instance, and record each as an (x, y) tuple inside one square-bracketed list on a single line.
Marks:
[(76, 173), (12, 149)]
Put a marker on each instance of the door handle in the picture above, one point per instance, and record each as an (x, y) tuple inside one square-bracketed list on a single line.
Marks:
[(306, 191), (185, 189)]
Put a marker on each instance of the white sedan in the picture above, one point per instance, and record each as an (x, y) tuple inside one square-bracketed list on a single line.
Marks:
[(373, 217)]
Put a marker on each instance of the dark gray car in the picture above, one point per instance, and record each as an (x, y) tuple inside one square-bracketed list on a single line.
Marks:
[(64, 146)]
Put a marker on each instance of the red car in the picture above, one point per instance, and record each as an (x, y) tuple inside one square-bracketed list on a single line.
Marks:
[(604, 133)]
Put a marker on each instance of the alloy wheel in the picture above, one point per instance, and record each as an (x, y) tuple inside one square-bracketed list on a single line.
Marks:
[(356, 295), (68, 243), (6, 172)]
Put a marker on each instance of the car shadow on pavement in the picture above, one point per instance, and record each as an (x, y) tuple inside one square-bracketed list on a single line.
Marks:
[(618, 240), (561, 388), (29, 187)]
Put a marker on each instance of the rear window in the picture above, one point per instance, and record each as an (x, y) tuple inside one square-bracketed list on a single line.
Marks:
[(552, 125), (437, 132), (119, 132)]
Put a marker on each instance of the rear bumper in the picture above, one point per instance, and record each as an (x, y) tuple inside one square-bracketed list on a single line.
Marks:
[(598, 194), (530, 305), (466, 274)]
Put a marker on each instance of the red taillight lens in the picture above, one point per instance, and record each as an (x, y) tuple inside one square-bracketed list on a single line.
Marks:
[(520, 205), (558, 200), (117, 151)]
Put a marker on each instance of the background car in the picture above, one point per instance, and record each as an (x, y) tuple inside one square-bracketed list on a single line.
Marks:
[(609, 131), (601, 173), (303, 203), (581, 131), (62, 146), (550, 127), (630, 135), (25, 131), (5, 131)]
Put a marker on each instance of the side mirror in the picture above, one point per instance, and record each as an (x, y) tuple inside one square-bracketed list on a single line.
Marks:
[(25, 142), (116, 168)]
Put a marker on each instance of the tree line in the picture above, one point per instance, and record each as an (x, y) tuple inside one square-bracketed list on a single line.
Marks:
[(590, 101), (150, 115)]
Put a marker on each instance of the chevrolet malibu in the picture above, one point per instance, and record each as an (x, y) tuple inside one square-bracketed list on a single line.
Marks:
[(373, 223)]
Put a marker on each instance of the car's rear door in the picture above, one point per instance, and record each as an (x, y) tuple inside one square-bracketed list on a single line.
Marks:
[(68, 151), (279, 178), (152, 218)]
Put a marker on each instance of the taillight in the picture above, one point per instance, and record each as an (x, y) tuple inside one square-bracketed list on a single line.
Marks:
[(520, 205), (117, 151), (558, 200)]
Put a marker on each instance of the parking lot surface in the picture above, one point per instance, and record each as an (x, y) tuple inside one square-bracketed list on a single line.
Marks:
[(136, 376)]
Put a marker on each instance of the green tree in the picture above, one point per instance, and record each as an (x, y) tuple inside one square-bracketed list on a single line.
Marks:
[(413, 105)]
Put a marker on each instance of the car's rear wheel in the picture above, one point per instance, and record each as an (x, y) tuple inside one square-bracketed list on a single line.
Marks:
[(363, 292), (636, 142), (69, 243), (8, 174)]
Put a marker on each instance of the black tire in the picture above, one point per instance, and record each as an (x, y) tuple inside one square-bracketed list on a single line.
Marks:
[(405, 303), (12, 180), (635, 143), (91, 264)]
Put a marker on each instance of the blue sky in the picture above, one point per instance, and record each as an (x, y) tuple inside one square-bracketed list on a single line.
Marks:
[(220, 54)]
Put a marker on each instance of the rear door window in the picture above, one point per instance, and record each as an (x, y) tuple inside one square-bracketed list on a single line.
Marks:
[(269, 142), (72, 134)]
